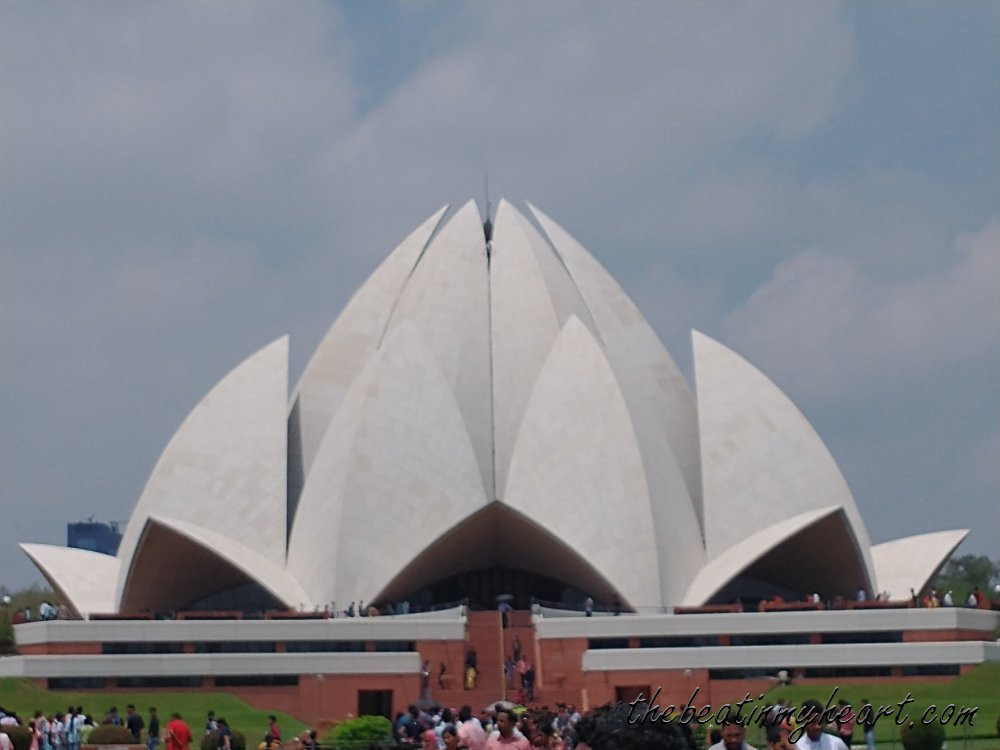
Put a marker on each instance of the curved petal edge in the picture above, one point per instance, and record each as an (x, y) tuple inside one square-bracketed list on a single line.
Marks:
[(910, 562), (761, 458), (734, 560), (84, 579)]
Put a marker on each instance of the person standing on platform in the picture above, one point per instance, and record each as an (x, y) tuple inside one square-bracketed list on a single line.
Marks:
[(504, 608), (471, 668)]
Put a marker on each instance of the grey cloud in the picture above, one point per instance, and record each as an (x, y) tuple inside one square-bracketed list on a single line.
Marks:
[(156, 118), (183, 183), (850, 329)]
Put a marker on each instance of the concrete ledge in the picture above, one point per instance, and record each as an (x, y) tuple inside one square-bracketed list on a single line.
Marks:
[(785, 657), (430, 626), (751, 623), (190, 665)]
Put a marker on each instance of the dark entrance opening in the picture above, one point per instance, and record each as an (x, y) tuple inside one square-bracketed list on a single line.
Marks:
[(630, 693), (496, 551), (375, 703), (480, 589)]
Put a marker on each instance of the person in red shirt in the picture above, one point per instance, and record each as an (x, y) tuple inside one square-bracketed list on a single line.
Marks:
[(507, 740), (178, 733), (272, 728)]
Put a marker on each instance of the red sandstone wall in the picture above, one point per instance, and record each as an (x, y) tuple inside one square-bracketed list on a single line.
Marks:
[(913, 636), (60, 648), (452, 653), (560, 660)]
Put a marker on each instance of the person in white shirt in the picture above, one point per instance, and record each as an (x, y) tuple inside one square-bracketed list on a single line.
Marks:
[(732, 737), (814, 738), (56, 732)]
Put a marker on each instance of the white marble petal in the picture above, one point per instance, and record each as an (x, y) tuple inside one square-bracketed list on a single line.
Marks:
[(761, 459), (657, 394), (911, 562), (563, 291), (257, 566), (447, 301), (84, 580), (577, 469), (316, 530), (411, 475), (453, 380), (225, 467), (352, 339), (524, 326)]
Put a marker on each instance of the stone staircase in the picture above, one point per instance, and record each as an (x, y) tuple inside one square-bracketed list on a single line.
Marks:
[(493, 645), (521, 627), (484, 634)]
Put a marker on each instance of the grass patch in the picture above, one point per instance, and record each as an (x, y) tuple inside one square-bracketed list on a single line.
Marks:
[(25, 698)]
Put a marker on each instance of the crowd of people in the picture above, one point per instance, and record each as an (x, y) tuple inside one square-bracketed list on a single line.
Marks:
[(621, 727), (46, 611), (976, 599), (780, 729), (933, 598), (624, 726), (494, 729), (56, 731), (70, 730)]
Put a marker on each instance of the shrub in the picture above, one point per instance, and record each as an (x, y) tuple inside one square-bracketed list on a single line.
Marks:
[(19, 736), (110, 734), (359, 733), (922, 736), (211, 740)]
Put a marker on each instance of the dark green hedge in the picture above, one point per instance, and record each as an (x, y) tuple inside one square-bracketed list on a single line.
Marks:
[(359, 733), (20, 736), (923, 736), (111, 734), (211, 740)]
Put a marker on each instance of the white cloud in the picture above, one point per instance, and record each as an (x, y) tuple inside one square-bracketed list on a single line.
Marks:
[(824, 325)]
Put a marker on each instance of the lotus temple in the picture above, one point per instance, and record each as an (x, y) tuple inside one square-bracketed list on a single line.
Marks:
[(491, 419)]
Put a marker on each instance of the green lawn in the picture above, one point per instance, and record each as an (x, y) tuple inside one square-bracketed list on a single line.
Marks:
[(980, 687), (25, 698)]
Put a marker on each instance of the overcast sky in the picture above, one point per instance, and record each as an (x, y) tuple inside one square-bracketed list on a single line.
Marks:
[(815, 185)]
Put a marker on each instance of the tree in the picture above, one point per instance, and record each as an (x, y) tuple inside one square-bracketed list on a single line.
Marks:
[(29, 597), (962, 574)]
